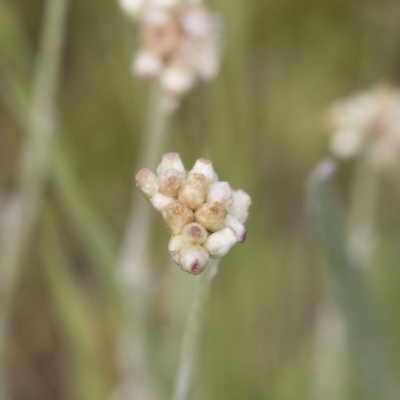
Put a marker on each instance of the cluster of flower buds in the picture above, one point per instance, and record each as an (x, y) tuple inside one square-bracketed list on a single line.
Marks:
[(369, 122), (179, 42), (204, 216)]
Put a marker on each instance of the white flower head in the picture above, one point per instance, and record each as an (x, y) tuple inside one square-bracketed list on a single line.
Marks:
[(204, 216), (367, 122), (180, 43)]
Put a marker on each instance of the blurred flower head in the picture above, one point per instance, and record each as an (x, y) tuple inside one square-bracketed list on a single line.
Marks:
[(367, 122), (205, 216), (179, 42)]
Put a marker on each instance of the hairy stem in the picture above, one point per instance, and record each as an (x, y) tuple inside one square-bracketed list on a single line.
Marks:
[(192, 336)]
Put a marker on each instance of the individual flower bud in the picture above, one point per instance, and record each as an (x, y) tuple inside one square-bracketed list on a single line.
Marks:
[(220, 191), (193, 259), (197, 21), (176, 215), (175, 245), (171, 161), (194, 233), (169, 182), (132, 8), (177, 80), (211, 216), (240, 205), (147, 182), (346, 143), (219, 243), (146, 65), (204, 166), (237, 227), (165, 3), (160, 201), (193, 191)]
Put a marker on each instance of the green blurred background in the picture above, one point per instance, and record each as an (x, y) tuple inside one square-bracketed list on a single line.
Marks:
[(261, 122)]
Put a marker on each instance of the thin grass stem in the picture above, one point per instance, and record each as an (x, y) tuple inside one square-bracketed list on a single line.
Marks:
[(99, 244), (21, 209), (70, 312)]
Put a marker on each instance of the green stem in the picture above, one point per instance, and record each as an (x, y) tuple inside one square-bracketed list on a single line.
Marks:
[(361, 239), (21, 210), (90, 229), (329, 352), (370, 351), (192, 336), (133, 262)]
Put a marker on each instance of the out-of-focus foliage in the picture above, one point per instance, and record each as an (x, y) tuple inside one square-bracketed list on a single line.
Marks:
[(261, 122)]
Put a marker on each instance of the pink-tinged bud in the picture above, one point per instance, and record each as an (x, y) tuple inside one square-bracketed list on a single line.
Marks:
[(171, 161), (194, 233), (193, 259), (211, 216), (146, 65), (147, 182), (193, 191), (177, 80), (176, 215), (240, 205), (222, 192), (204, 166), (160, 201), (219, 243), (237, 227), (175, 245), (169, 182)]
